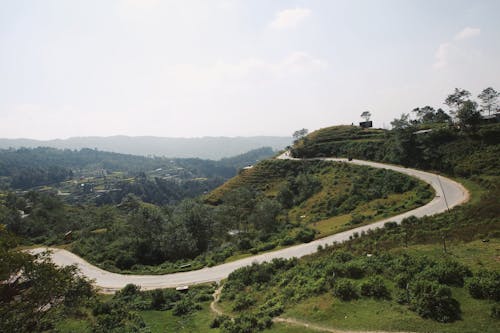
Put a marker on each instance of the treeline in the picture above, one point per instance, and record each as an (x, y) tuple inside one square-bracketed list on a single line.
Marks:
[(26, 168)]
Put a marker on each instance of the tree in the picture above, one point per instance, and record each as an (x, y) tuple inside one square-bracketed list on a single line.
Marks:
[(489, 99), (432, 300), (198, 221), (401, 123), (35, 290), (366, 115), (425, 114), (468, 116), (455, 100), (297, 135), (441, 117)]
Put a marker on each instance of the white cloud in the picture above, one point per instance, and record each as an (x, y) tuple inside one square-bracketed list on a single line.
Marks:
[(295, 63), (444, 50), (442, 55), (467, 32), (289, 18)]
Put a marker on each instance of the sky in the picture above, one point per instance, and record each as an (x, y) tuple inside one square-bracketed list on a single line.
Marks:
[(193, 68)]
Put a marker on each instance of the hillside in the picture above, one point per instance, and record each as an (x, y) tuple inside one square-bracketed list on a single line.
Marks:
[(437, 273), (329, 197)]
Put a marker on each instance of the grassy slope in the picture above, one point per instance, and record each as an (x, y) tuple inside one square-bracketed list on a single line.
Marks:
[(369, 314), (336, 180)]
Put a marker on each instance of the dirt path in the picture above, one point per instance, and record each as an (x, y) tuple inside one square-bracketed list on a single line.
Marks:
[(291, 321), (320, 328), (213, 305)]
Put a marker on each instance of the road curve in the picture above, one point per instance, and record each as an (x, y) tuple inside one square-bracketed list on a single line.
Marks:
[(448, 194)]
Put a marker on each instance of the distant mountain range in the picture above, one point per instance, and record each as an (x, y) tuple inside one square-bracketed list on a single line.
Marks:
[(206, 147)]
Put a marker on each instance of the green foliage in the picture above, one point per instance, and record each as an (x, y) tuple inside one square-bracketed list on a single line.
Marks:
[(447, 272), (374, 287), (485, 284), (432, 300), (35, 294), (243, 302), (345, 289), (219, 321), (247, 323), (495, 311)]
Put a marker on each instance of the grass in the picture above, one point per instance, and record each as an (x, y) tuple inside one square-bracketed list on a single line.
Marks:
[(71, 325), (476, 254), (369, 314), (165, 321)]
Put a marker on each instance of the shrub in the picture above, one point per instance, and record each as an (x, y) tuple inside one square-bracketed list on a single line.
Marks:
[(353, 270), (127, 293), (242, 302), (305, 235), (448, 272), (157, 299), (219, 321), (184, 307), (375, 287), (434, 301), (345, 290), (495, 311), (485, 285)]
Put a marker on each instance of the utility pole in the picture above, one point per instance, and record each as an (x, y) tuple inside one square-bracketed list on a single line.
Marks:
[(444, 194)]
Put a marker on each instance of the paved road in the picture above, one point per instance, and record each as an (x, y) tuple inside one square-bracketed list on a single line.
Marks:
[(448, 194)]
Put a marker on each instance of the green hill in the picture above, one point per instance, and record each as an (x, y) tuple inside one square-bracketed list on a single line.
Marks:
[(430, 274)]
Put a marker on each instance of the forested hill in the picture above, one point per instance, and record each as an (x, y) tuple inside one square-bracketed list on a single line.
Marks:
[(206, 147), (26, 167)]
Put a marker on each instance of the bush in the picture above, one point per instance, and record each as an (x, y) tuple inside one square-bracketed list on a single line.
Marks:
[(353, 270), (495, 311), (242, 302), (434, 301), (345, 290), (305, 235), (128, 293), (157, 299), (448, 272), (184, 307), (375, 287), (485, 285), (219, 321)]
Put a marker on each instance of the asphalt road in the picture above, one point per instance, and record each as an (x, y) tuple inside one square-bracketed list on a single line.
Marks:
[(448, 194)]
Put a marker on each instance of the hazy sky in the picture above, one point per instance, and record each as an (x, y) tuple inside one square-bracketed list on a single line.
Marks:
[(234, 68)]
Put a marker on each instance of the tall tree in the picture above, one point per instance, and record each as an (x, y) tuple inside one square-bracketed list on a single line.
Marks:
[(468, 116), (489, 99), (456, 99), (425, 114), (297, 135)]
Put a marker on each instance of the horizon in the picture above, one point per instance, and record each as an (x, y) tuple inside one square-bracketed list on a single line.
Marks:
[(185, 69), (147, 136)]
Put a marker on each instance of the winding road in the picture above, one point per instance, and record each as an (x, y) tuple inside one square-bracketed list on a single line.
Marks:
[(448, 194)]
